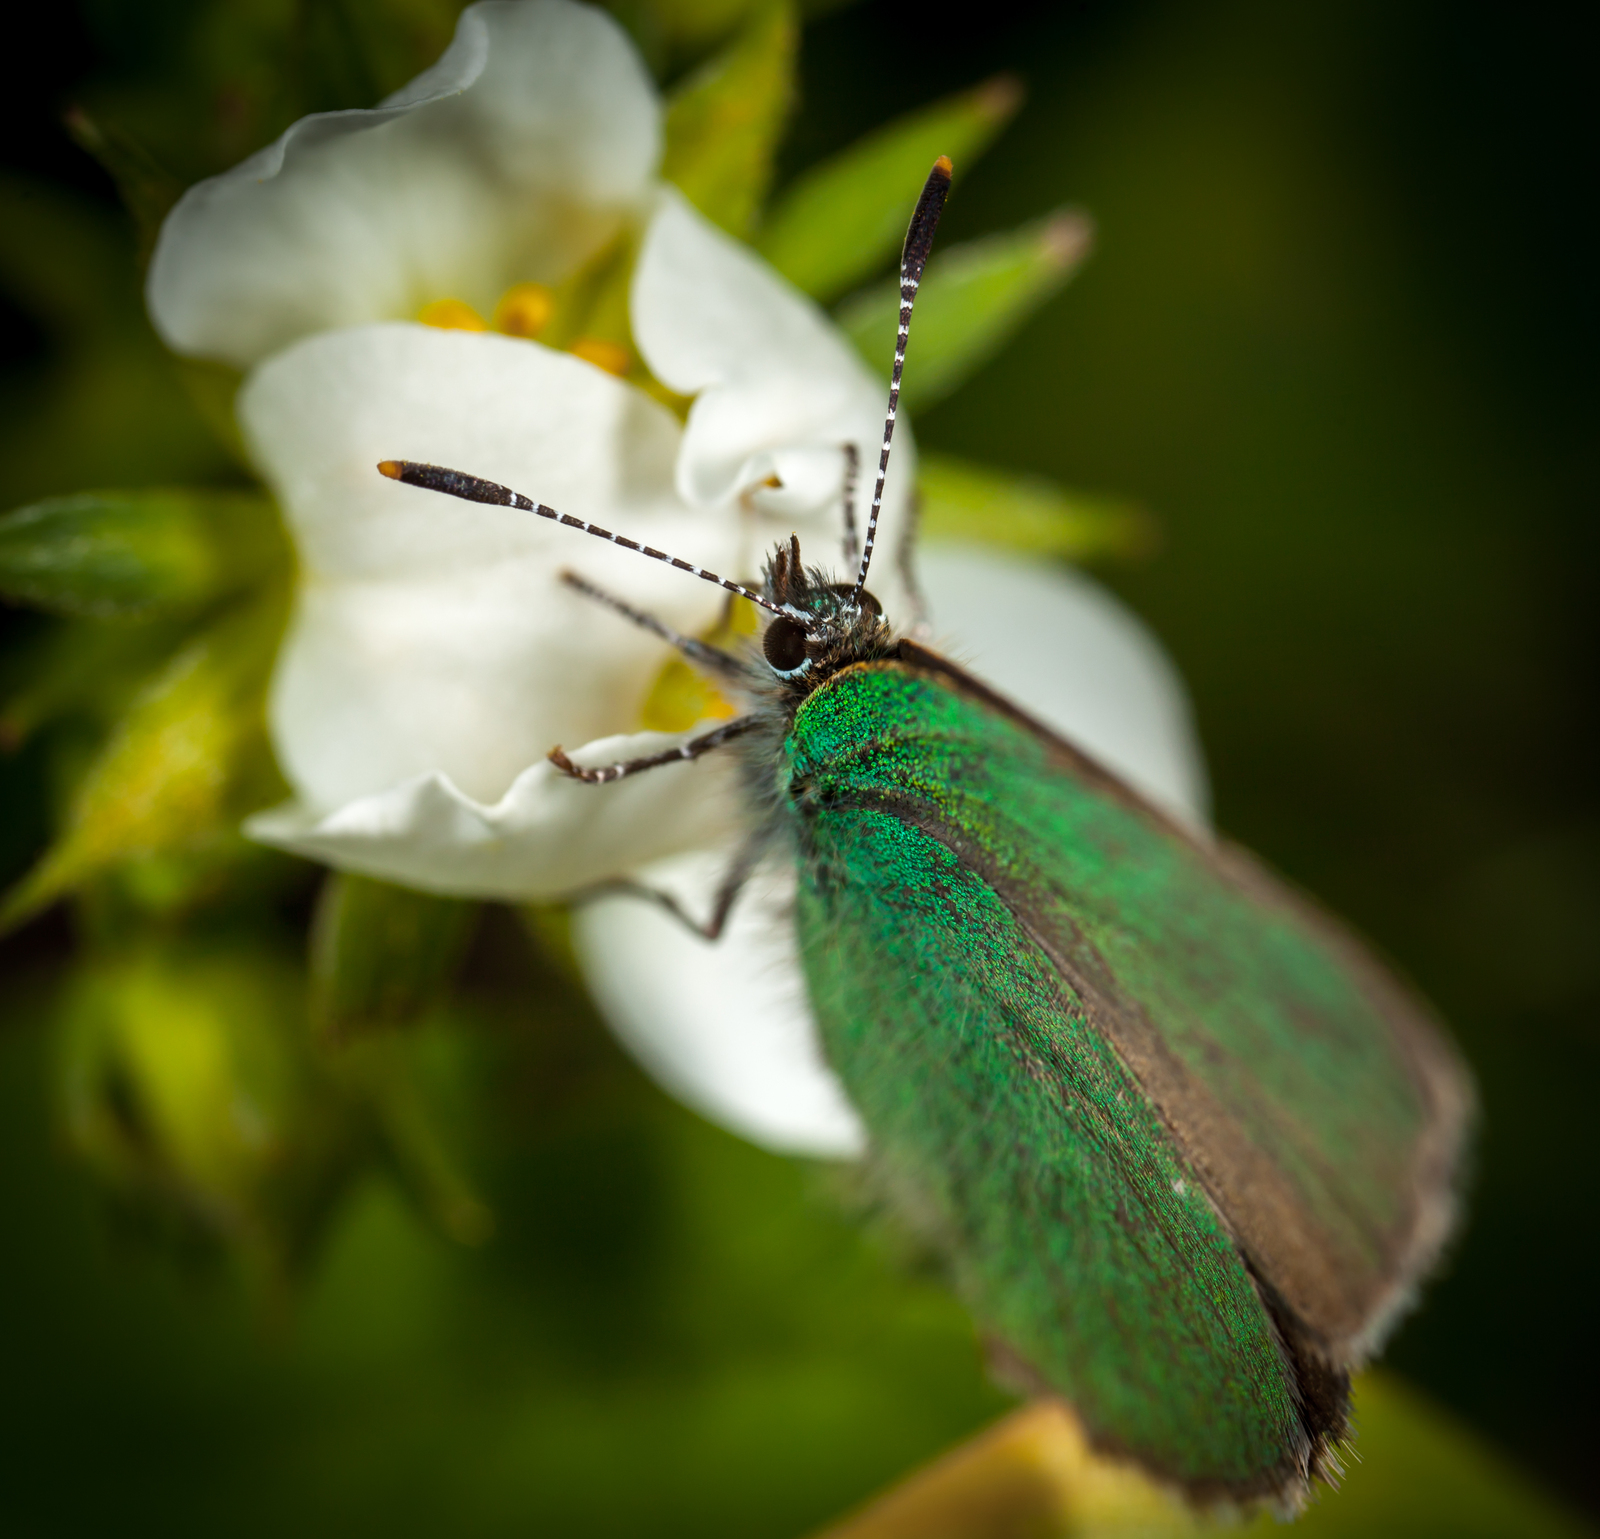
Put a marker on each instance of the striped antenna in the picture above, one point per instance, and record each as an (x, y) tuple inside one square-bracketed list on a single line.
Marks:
[(455, 483), (913, 258)]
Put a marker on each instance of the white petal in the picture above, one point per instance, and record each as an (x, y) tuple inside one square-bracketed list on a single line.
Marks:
[(723, 1026), (1074, 655), (728, 1028), (547, 837), (778, 391), (433, 634), (513, 158)]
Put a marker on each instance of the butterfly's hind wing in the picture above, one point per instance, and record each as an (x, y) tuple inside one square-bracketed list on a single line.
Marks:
[(1186, 1145)]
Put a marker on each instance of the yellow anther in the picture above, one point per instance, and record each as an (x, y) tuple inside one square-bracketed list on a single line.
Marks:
[(451, 315), (603, 355), (524, 310)]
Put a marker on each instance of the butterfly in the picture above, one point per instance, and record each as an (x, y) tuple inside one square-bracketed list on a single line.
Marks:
[(1185, 1147)]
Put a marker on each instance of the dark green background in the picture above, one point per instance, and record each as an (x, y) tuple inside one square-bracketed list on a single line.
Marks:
[(1339, 334)]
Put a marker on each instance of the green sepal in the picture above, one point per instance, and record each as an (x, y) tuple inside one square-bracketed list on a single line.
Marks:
[(186, 1086), (843, 219), (963, 501), (415, 1090), (188, 760), (972, 299), (382, 955), (109, 406), (723, 124), (147, 189), (139, 554), (670, 32), (1417, 1472), (82, 668)]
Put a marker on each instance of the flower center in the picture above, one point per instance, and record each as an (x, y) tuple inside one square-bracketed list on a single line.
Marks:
[(524, 310)]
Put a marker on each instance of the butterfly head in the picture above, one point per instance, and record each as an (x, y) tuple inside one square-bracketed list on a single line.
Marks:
[(820, 625)]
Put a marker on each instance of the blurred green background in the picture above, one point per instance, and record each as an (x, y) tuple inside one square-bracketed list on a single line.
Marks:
[(1337, 334)]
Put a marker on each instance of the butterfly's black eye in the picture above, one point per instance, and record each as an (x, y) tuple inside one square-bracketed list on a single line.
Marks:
[(785, 644)]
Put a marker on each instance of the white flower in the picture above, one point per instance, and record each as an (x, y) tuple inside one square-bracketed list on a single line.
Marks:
[(435, 656), (518, 155)]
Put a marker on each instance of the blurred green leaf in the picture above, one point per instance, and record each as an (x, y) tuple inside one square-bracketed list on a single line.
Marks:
[(1417, 1474), (81, 668), (962, 501), (972, 299), (382, 955), (183, 1088), (186, 762), (105, 406), (139, 554), (415, 1087), (842, 220), (146, 188), (214, 80), (724, 122)]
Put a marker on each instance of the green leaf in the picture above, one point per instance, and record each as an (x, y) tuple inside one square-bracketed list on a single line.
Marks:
[(138, 554), (105, 407), (962, 501), (724, 122), (187, 761), (413, 1088), (843, 219), (1421, 1474), (382, 955), (147, 189), (184, 1086), (81, 668), (1416, 1473), (972, 299), (670, 32)]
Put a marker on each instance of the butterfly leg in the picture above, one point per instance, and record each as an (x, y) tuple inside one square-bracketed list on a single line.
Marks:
[(684, 752), (702, 654), (921, 628), (852, 468), (728, 890)]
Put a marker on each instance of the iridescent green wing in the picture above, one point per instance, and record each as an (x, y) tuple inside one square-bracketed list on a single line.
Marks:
[(1186, 1146)]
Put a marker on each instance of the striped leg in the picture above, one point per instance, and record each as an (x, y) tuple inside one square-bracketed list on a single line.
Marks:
[(852, 469), (702, 654), (684, 752), (728, 890)]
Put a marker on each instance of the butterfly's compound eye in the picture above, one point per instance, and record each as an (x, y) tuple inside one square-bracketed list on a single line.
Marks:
[(784, 645)]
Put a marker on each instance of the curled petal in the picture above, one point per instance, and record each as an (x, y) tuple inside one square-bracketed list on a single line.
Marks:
[(547, 837), (517, 155), (727, 1028), (778, 392), (433, 634)]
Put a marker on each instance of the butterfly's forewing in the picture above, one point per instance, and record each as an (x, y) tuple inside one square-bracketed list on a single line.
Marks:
[(1185, 1145)]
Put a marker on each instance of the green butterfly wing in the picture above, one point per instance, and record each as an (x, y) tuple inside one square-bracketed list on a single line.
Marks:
[(1187, 1148)]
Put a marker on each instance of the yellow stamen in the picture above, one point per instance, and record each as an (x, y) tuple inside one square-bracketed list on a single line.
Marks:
[(681, 695), (679, 698), (451, 315), (524, 310), (602, 354)]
